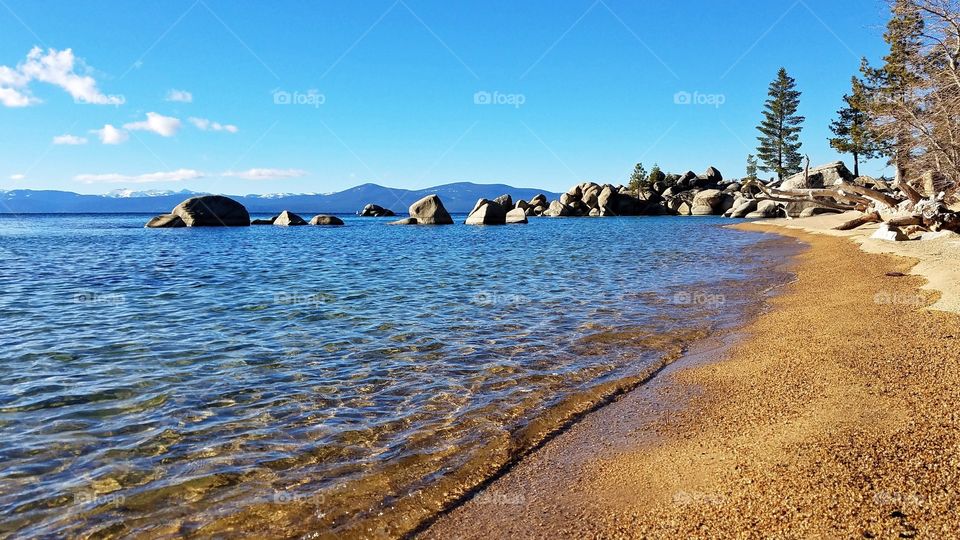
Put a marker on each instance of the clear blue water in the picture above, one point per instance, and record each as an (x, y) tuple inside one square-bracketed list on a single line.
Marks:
[(161, 382)]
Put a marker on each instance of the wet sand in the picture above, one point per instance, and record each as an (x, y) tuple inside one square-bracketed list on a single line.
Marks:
[(834, 415)]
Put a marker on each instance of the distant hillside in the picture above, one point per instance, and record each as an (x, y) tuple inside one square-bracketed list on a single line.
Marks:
[(458, 198)]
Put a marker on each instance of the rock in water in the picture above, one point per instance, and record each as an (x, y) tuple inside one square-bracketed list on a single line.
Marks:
[(264, 221), (487, 212), (506, 201), (516, 216), (325, 220), (288, 219), (430, 211), (558, 209), (166, 221), (375, 210), (404, 221), (212, 211)]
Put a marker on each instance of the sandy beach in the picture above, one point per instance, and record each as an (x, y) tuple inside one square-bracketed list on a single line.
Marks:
[(832, 414)]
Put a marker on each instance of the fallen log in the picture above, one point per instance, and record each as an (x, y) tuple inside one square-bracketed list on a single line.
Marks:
[(872, 217)]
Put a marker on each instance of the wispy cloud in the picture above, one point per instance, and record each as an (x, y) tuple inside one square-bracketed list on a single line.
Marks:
[(181, 96), (266, 174), (54, 67), (209, 125), (69, 140), (17, 176), (178, 175), (111, 135), (165, 126)]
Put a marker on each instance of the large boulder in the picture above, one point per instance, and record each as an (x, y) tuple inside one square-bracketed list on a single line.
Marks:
[(539, 200), (288, 219), (212, 211), (605, 198), (765, 209), (822, 176), (891, 234), (743, 207), (430, 211), (375, 210), (707, 202), (506, 201), (263, 221), (326, 220), (487, 212), (798, 208), (712, 175), (516, 216), (404, 221), (558, 209), (166, 221)]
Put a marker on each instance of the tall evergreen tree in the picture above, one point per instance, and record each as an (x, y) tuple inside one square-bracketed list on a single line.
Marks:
[(751, 167), (850, 127), (894, 86), (638, 179), (779, 149)]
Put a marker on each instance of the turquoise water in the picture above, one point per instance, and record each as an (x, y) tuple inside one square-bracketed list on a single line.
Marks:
[(163, 382)]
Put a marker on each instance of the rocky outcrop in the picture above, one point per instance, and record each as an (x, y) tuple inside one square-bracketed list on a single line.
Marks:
[(708, 202), (516, 216), (374, 210), (822, 176), (506, 201), (430, 211), (558, 209), (487, 212), (212, 211), (539, 200), (322, 219), (288, 219), (166, 221)]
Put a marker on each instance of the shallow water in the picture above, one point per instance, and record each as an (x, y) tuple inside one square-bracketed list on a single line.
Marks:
[(335, 381)]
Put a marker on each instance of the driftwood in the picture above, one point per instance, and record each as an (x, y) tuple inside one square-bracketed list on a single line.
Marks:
[(872, 217)]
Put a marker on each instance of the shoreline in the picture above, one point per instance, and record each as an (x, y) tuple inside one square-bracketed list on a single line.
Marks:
[(760, 444)]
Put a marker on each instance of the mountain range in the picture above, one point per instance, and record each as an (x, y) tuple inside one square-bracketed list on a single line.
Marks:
[(458, 197)]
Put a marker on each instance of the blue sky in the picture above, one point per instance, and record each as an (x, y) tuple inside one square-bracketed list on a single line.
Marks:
[(318, 96)]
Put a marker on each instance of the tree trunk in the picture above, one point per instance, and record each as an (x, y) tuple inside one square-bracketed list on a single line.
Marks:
[(856, 165)]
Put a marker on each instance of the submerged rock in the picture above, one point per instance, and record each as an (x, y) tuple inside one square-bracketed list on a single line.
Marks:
[(404, 221), (166, 221), (326, 220), (264, 221), (212, 211), (375, 210), (288, 219)]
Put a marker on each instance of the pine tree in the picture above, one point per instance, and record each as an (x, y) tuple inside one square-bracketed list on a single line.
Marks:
[(656, 175), (751, 167), (639, 179), (850, 128), (893, 87), (779, 148)]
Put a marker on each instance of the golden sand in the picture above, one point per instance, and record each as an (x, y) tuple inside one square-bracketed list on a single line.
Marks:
[(835, 416)]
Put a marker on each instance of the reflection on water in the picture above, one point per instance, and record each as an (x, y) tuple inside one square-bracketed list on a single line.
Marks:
[(344, 381)]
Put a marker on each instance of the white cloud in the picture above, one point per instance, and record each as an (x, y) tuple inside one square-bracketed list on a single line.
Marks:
[(69, 139), (17, 176), (178, 175), (56, 68), (165, 126), (111, 135), (266, 174), (209, 125), (181, 96)]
